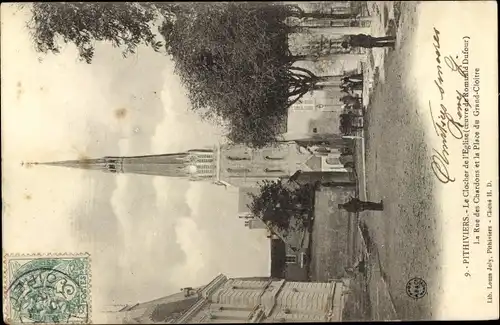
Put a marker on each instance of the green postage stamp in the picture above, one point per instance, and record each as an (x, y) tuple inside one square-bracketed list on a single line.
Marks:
[(47, 289)]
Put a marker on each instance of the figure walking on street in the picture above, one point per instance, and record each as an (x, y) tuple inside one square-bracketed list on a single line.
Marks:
[(356, 205), (360, 267), (368, 41)]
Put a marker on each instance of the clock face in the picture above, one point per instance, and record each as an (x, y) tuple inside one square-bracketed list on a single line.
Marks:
[(191, 169)]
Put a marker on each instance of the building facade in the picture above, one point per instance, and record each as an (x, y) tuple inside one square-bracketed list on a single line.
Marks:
[(243, 300), (290, 254)]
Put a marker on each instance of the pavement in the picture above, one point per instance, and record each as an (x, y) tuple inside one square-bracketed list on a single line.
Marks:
[(382, 304), (402, 241), (375, 229)]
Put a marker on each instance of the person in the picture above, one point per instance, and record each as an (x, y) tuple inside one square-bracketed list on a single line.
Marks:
[(360, 267), (350, 100), (355, 77), (356, 205), (368, 41), (356, 85), (346, 89)]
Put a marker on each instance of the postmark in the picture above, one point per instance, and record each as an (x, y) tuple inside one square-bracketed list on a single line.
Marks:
[(416, 288), (51, 288)]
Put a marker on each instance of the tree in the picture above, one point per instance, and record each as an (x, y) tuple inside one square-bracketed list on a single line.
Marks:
[(125, 25), (278, 202), (233, 58)]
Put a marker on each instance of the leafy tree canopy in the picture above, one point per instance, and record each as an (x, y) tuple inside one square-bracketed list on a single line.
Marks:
[(277, 202), (125, 25), (233, 58)]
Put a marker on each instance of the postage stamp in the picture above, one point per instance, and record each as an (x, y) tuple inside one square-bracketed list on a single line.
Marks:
[(47, 289)]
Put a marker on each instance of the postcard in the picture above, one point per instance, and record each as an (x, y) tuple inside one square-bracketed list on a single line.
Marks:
[(241, 162)]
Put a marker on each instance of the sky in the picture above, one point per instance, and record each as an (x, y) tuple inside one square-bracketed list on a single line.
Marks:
[(147, 236)]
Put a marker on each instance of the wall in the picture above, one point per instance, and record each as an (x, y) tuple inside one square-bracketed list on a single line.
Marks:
[(244, 199), (338, 226), (320, 110), (306, 302), (245, 167), (327, 178), (233, 301), (298, 244)]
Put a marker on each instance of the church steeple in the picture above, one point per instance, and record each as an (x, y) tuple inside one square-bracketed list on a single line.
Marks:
[(199, 164), (228, 164)]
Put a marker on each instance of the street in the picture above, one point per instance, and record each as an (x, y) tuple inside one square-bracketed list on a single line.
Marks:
[(336, 245), (405, 236)]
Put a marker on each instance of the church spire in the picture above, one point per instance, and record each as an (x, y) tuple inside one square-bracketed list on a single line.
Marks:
[(97, 164), (198, 164)]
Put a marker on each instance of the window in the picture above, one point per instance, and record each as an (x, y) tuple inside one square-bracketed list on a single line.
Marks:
[(315, 130), (273, 170), (238, 170), (273, 158), (333, 161), (291, 259), (237, 158), (304, 105), (112, 168)]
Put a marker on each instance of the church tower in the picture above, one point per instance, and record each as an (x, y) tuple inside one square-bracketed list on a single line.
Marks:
[(229, 165), (197, 164)]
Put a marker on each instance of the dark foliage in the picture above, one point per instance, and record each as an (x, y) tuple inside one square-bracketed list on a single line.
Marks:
[(125, 25), (277, 202), (233, 58)]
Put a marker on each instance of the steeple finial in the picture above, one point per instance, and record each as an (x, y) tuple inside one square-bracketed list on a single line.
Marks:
[(28, 164), (81, 163)]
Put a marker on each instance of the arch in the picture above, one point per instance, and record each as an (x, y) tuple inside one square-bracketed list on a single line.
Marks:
[(333, 161)]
